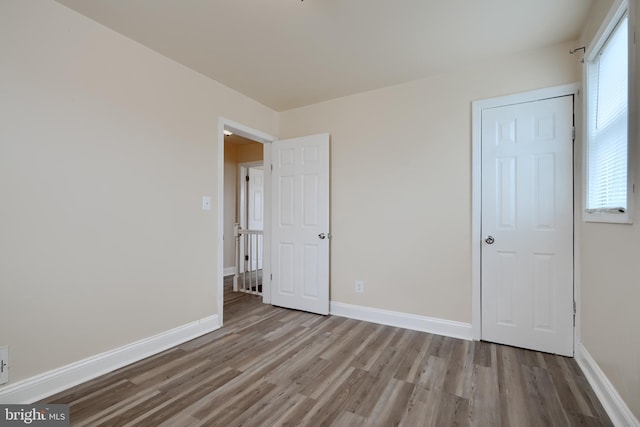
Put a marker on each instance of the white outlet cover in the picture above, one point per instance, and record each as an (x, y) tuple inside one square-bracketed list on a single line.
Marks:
[(359, 286), (206, 203)]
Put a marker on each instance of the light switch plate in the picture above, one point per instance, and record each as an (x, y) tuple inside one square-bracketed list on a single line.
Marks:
[(206, 203)]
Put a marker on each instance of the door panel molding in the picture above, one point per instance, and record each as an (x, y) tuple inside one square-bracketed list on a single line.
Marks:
[(300, 223), (244, 202), (476, 193), (527, 206)]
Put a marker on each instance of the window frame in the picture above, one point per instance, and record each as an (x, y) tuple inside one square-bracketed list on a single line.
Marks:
[(610, 23)]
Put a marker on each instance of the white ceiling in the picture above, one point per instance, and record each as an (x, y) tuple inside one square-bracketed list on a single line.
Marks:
[(290, 53)]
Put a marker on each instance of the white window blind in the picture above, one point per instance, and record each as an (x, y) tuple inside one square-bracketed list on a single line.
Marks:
[(607, 125)]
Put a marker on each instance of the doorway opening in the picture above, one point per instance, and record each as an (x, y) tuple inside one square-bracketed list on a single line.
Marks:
[(249, 229), (241, 148)]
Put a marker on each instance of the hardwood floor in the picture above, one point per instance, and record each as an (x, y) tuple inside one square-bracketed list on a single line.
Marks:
[(270, 366)]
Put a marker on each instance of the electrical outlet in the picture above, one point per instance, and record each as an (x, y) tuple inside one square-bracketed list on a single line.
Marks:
[(4, 365), (359, 286)]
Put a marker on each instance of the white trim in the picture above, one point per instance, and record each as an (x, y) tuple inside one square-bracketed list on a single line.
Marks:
[(618, 8), (265, 139), (476, 210), (59, 379), (612, 402), (249, 165), (229, 271), (245, 131), (577, 207), (266, 254), (398, 319), (530, 96), (609, 23), (476, 179), (220, 205)]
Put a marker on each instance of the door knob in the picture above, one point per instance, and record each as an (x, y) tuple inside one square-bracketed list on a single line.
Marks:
[(322, 236), (489, 240)]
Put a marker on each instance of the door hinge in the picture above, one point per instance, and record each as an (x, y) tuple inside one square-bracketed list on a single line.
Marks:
[(4, 367), (573, 134), (247, 178), (271, 276), (271, 167), (574, 313), (246, 257)]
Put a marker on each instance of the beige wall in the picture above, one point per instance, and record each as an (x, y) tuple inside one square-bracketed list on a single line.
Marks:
[(610, 281), (106, 150), (401, 214), (234, 154), (107, 147), (252, 152)]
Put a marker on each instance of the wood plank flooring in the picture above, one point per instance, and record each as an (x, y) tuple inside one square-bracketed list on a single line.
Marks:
[(270, 366)]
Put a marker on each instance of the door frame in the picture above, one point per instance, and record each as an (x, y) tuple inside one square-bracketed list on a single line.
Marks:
[(476, 191), (266, 140)]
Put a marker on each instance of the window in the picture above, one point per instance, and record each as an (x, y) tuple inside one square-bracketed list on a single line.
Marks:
[(607, 174)]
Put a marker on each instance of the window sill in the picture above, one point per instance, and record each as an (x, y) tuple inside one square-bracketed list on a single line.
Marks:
[(609, 218)]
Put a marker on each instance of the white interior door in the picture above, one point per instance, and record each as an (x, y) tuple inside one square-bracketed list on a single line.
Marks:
[(255, 199), (255, 208), (300, 223), (527, 225)]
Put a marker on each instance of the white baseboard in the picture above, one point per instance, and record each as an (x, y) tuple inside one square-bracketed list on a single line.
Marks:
[(229, 271), (617, 409), (59, 379), (403, 320)]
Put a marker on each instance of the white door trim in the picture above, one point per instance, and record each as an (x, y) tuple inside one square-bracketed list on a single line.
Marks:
[(476, 183), (263, 138)]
